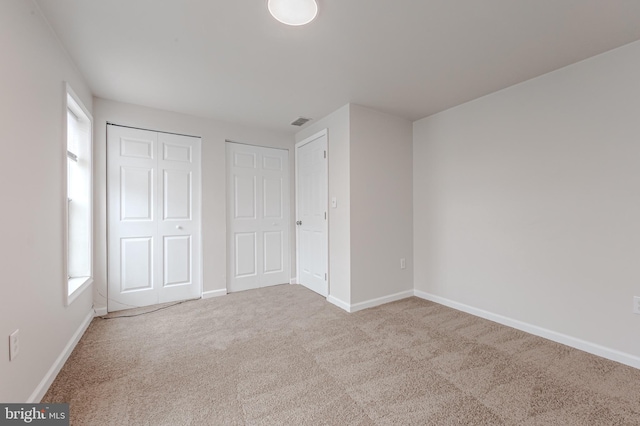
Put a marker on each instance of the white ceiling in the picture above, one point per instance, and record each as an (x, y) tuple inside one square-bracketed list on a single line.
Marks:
[(229, 60)]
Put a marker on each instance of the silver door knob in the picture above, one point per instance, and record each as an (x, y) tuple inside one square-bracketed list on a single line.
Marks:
[(299, 223)]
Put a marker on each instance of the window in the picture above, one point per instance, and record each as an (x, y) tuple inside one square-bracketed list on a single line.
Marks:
[(79, 242)]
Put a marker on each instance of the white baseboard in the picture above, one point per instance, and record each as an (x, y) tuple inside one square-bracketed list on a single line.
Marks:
[(46, 381), (214, 293), (99, 312), (380, 301), (339, 303), (574, 342), (293, 280), (369, 303)]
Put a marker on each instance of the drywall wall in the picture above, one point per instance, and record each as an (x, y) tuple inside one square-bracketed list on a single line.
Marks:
[(214, 209), (527, 201), (32, 164), (337, 125), (370, 230), (381, 204)]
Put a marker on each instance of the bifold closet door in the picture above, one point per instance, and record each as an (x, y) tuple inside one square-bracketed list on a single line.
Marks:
[(153, 196), (258, 216)]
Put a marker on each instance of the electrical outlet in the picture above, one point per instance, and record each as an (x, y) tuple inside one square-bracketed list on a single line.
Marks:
[(14, 345), (403, 263), (636, 305)]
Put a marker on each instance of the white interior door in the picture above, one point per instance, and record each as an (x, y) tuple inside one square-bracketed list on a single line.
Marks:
[(258, 216), (311, 211), (153, 197)]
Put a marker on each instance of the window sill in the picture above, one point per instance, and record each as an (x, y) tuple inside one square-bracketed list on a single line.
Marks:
[(75, 286)]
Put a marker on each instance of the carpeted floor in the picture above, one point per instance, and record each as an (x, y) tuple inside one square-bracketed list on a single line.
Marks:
[(283, 355)]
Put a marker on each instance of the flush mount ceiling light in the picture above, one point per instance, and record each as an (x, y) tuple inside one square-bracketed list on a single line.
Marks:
[(293, 12)]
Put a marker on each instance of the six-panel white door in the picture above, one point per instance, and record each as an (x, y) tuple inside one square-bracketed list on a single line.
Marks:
[(311, 211), (153, 196), (258, 216)]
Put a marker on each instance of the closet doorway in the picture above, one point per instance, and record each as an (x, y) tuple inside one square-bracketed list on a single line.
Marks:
[(258, 206), (153, 217)]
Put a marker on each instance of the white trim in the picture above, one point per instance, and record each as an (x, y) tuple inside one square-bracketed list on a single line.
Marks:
[(46, 381), (214, 293), (339, 303), (99, 312), (380, 301), (321, 133), (574, 342), (76, 104), (369, 303), (79, 290), (200, 239), (293, 280), (84, 109)]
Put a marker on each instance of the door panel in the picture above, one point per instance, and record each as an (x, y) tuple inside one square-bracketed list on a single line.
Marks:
[(137, 263), (136, 193), (245, 197), (152, 258), (138, 148), (273, 252), (273, 190), (245, 254), (305, 246), (271, 163), (258, 218), (177, 194), (177, 260), (180, 222), (177, 153), (245, 159), (311, 207)]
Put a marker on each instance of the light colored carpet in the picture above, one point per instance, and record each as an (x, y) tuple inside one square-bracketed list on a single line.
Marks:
[(283, 355)]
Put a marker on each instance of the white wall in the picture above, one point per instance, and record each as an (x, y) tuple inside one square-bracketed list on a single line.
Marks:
[(370, 175), (32, 104), (213, 133), (337, 124), (527, 201), (381, 204)]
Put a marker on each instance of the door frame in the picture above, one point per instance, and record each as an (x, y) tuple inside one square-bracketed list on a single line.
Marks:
[(321, 133), (200, 243)]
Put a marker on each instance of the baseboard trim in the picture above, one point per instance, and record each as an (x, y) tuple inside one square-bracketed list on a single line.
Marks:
[(214, 293), (99, 312), (380, 301), (293, 280), (369, 303), (339, 303), (46, 381), (574, 342)]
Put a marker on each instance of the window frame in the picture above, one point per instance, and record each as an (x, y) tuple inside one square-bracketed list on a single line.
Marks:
[(73, 287)]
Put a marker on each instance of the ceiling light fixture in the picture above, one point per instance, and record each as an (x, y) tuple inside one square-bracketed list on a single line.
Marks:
[(293, 12)]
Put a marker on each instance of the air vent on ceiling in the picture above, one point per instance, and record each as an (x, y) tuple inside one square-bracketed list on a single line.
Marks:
[(300, 121)]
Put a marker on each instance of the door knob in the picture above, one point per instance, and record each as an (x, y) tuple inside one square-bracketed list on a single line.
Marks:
[(299, 223), (178, 227)]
